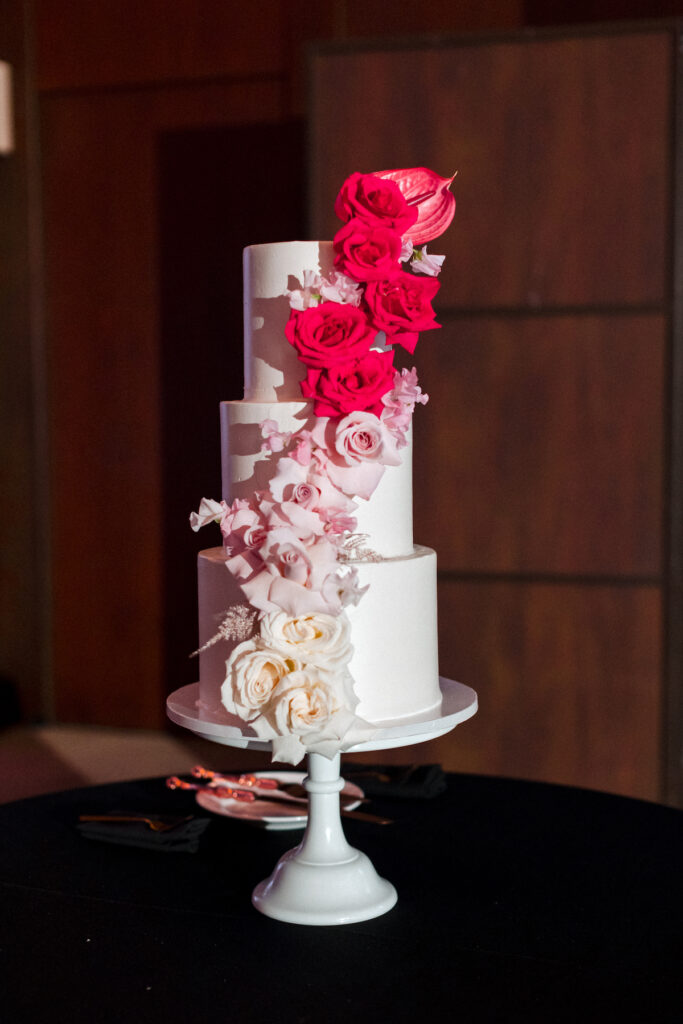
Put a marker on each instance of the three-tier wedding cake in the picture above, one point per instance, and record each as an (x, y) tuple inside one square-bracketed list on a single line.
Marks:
[(317, 615)]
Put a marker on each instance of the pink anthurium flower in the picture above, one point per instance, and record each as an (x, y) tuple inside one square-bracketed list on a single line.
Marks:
[(431, 194)]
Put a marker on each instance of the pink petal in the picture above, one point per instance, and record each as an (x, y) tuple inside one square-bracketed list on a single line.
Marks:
[(432, 196)]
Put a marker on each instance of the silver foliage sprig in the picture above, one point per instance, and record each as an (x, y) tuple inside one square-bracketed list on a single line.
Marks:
[(354, 549), (237, 624)]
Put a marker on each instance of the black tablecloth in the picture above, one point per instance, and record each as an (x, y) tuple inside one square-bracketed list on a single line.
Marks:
[(517, 902)]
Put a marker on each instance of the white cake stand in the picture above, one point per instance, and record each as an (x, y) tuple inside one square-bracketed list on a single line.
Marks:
[(324, 881)]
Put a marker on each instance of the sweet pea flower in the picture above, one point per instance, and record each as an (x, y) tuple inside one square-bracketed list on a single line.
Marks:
[(210, 511), (426, 263), (400, 403), (309, 295), (407, 250), (337, 521), (274, 440)]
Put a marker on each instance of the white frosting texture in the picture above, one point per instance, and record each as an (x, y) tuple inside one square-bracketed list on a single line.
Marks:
[(394, 665), (272, 370), (386, 519), (393, 633)]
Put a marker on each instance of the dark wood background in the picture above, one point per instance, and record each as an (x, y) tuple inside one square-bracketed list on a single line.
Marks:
[(156, 140)]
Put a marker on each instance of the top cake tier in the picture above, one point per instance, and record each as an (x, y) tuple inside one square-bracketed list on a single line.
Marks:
[(272, 370)]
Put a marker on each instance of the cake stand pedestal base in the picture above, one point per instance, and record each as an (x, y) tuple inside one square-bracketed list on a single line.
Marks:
[(324, 881)]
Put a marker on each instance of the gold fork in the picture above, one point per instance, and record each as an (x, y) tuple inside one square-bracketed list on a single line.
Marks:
[(156, 824)]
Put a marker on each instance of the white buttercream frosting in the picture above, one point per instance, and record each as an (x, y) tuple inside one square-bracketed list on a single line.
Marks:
[(394, 665), (272, 370)]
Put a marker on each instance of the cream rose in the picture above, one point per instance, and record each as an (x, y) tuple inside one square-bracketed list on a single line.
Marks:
[(301, 704), (252, 675), (321, 639)]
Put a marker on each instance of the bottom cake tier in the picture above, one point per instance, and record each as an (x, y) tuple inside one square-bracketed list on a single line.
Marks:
[(393, 631)]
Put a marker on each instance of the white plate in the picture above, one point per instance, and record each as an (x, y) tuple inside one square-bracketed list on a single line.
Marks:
[(271, 814)]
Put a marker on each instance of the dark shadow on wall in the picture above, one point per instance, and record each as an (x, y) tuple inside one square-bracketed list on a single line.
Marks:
[(220, 190)]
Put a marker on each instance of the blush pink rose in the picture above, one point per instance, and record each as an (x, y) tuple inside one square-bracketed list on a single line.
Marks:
[(367, 252), (401, 307), (376, 201), (331, 333), (242, 526), (360, 447), (362, 437), (345, 388)]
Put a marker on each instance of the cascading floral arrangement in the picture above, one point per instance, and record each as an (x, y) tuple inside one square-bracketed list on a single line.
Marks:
[(291, 546)]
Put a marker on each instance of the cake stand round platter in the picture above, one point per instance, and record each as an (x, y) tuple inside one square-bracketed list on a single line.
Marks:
[(323, 880)]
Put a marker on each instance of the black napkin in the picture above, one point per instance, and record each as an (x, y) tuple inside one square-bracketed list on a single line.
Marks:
[(182, 838), (405, 782)]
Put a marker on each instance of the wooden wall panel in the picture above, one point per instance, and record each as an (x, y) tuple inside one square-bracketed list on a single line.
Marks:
[(102, 251), (84, 44), (546, 177), (542, 447), (24, 658), (568, 679), (207, 214), (541, 473)]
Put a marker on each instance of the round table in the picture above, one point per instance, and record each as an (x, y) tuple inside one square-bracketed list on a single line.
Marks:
[(517, 901)]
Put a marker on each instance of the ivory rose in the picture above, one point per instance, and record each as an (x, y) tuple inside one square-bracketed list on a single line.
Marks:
[(367, 252), (251, 676), (302, 703), (376, 201), (306, 713), (401, 307), (329, 334), (350, 386), (324, 640)]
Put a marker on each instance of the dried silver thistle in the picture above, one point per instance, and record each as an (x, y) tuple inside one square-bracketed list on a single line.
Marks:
[(354, 550), (237, 624)]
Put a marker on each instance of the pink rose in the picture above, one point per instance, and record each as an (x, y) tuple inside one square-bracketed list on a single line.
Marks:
[(242, 526), (307, 495), (360, 447), (343, 389), (402, 307), (308, 486), (329, 334), (376, 201), (367, 252), (361, 437), (292, 576)]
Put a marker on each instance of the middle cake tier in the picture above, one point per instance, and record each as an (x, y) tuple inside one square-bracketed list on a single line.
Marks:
[(386, 521)]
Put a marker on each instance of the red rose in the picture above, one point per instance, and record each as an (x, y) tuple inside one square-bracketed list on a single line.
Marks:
[(375, 201), (366, 252), (330, 333), (401, 307), (359, 385)]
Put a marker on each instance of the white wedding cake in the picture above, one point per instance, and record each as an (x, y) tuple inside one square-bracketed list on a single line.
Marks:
[(317, 614)]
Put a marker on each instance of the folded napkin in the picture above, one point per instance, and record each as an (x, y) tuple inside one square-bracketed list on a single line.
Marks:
[(405, 782), (182, 837)]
